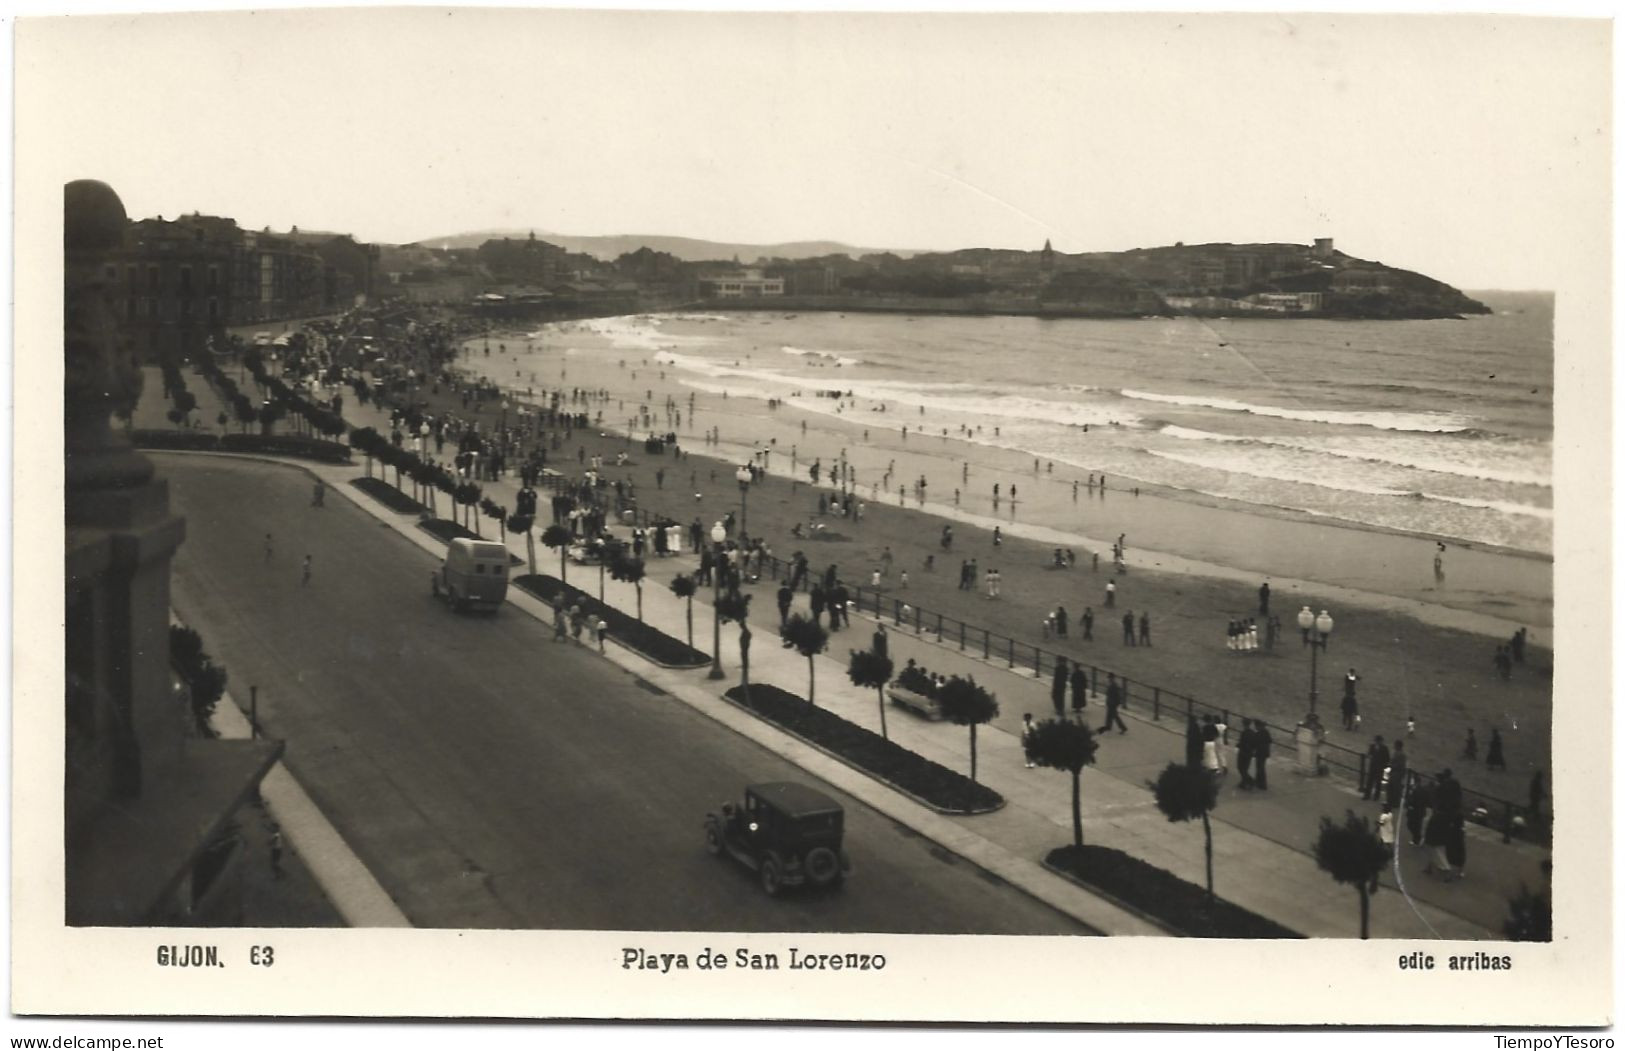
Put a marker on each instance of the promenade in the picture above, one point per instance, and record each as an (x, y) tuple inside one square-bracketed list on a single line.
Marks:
[(1261, 840)]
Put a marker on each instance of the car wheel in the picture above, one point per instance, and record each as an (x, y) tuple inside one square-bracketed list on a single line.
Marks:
[(713, 841), (822, 865), (772, 879)]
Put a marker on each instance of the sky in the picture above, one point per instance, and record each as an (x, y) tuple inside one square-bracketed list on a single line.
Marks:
[(1471, 149)]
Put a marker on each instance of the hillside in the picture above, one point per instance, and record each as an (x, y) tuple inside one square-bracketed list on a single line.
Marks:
[(688, 249)]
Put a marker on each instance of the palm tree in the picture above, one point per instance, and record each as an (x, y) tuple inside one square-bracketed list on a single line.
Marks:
[(683, 586), (519, 523), (558, 538), (629, 569), (736, 607), (871, 669), (1352, 853), (808, 638), (1061, 744), (1187, 792), (967, 704)]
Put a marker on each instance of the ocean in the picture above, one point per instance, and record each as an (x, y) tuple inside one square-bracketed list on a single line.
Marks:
[(1440, 428)]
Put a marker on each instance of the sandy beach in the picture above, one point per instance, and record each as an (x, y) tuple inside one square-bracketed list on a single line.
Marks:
[(1421, 652)]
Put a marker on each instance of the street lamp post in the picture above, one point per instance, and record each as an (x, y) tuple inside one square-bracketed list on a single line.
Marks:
[(1317, 631), (718, 535), (744, 477)]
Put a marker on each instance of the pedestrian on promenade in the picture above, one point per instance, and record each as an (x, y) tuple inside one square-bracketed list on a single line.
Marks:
[(1193, 742), (1223, 748), (1111, 593), (1027, 731), (1210, 747), (1088, 621), (1080, 691), (600, 629), (1418, 798), (1114, 701), (267, 547), (1128, 628), (1495, 758), (1145, 628), (1398, 766), (1057, 688), (1263, 743), (558, 621), (840, 614), (785, 597), (1437, 839), (305, 571), (577, 622), (276, 852), (1385, 827), (1244, 754), (817, 598), (1376, 768), (1264, 599), (878, 645)]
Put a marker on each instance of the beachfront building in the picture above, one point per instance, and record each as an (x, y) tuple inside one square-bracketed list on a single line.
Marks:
[(150, 799), (740, 284)]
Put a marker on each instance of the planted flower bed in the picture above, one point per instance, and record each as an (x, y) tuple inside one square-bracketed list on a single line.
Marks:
[(937, 786), (265, 444), (388, 495), (1161, 894), (634, 634)]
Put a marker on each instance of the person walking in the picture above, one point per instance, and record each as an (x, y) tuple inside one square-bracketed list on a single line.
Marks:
[(1128, 628), (1494, 757), (1028, 728), (1080, 691), (1262, 745), (1376, 766), (839, 615), (785, 598), (878, 644), (1111, 593), (1264, 599), (1244, 754), (1385, 827), (1350, 706), (998, 581), (1193, 743), (1114, 701), (1223, 745), (1418, 798), (817, 599), (1088, 622), (305, 572), (1145, 628), (577, 622), (1398, 766), (1210, 747), (600, 629), (1057, 688), (1060, 622)]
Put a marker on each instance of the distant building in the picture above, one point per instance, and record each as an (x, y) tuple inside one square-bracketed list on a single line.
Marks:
[(527, 262), (1323, 248), (740, 284), (1046, 258)]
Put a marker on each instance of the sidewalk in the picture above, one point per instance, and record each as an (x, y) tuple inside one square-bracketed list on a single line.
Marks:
[(1261, 840)]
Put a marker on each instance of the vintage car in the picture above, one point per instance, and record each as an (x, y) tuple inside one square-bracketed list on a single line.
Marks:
[(789, 833)]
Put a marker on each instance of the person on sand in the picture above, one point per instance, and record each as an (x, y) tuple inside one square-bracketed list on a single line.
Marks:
[(1111, 593), (1060, 621), (1145, 629), (1470, 749), (1264, 599), (1128, 628), (1088, 622), (998, 537), (1494, 757)]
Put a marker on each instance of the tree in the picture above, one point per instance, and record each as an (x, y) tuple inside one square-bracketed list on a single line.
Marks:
[(1353, 853), (872, 670), (1061, 744), (1529, 912), (736, 607), (684, 587), (1186, 792), (629, 569), (967, 704), (467, 495), (808, 638), (519, 523), (557, 537)]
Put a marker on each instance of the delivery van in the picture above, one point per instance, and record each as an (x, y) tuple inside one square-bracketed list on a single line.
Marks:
[(473, 576)]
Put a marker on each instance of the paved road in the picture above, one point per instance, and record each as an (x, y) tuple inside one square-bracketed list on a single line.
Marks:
[(491, 778)]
